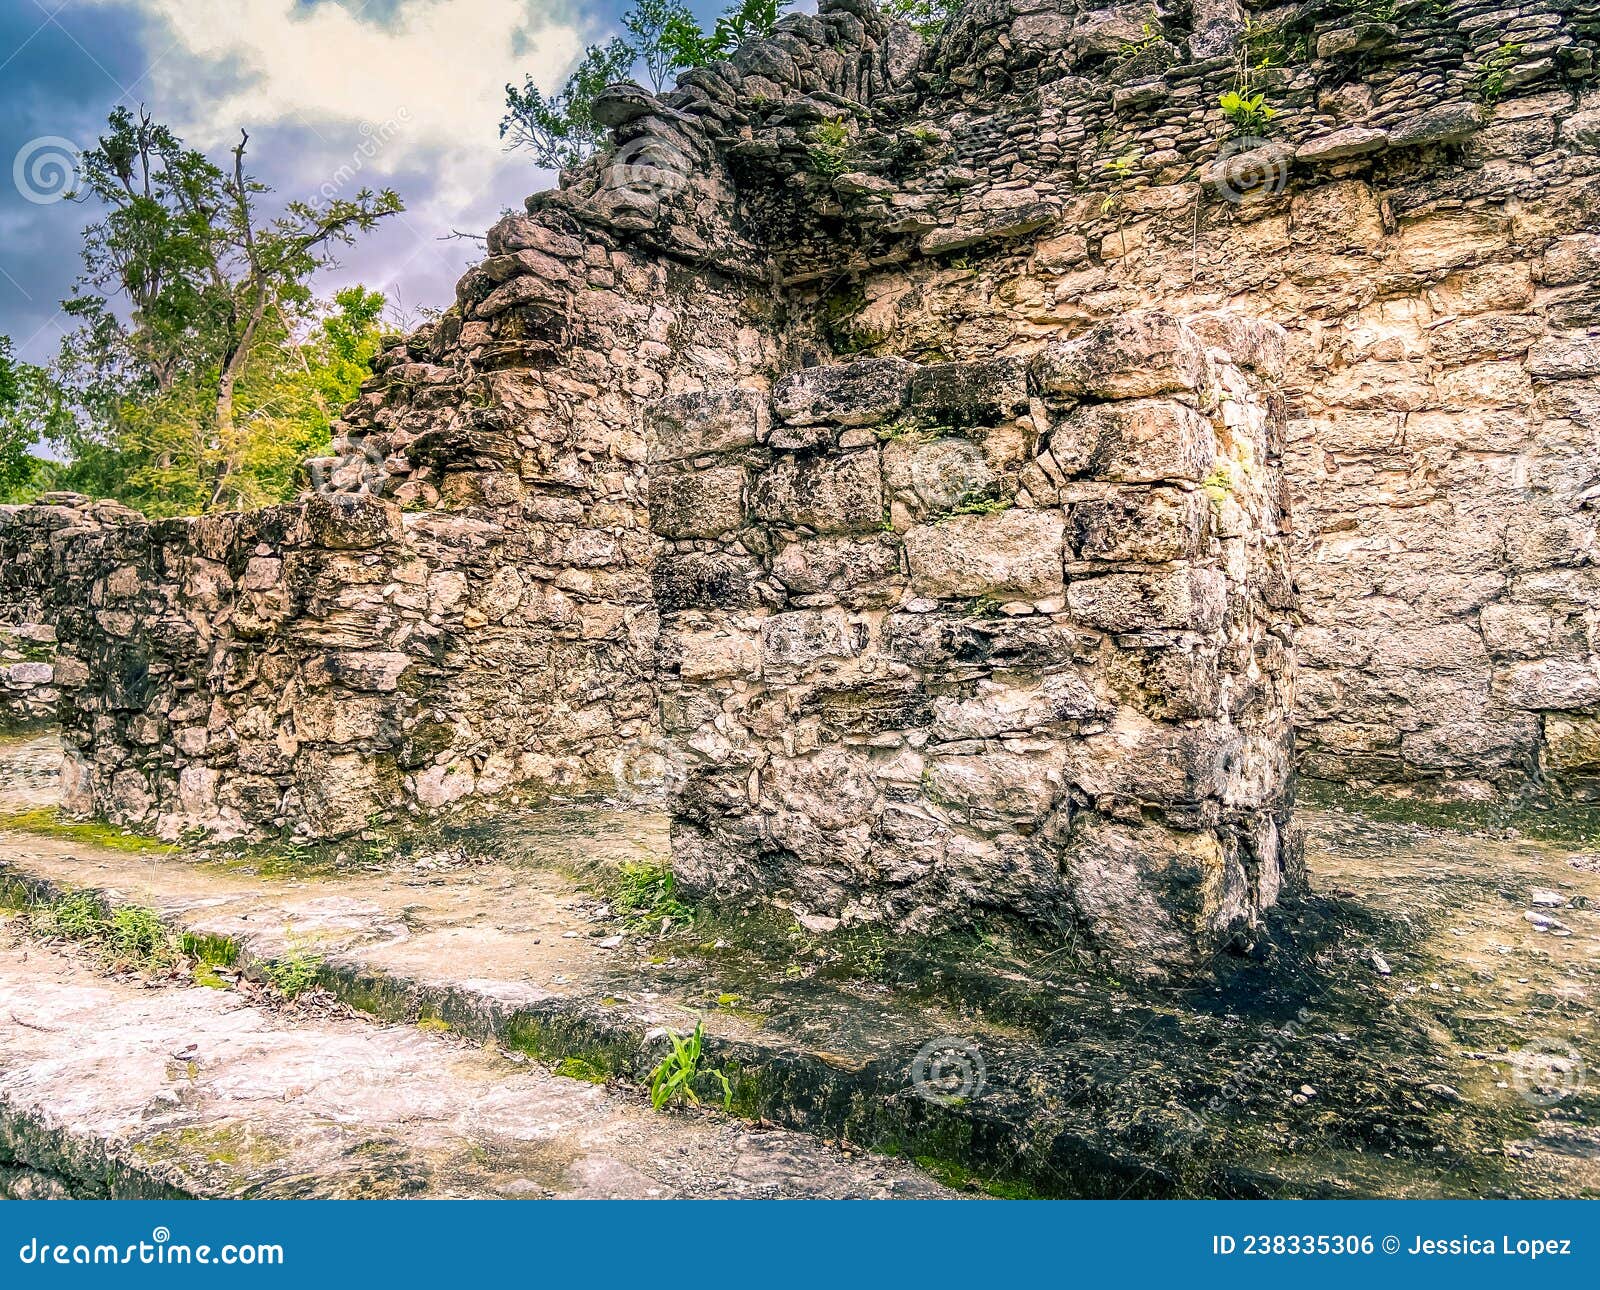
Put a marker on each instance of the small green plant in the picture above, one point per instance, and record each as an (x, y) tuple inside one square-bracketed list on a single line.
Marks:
[(1144, 55), (128, 937), (139, 936), (674, 1078), (646, 897), (294, 973), (1248, 114), (1497, 68), (831, 148), (982, 506)]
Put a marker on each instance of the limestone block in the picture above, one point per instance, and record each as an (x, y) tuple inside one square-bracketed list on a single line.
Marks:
[(1149, 525), (1559, 358), (839, 565), (1158, 899), (714, 655), (803, 637), (1550, 683), (832, 494), (689, 425), (997, 708), (1572, 743), (1139, 355), (1015, 553), (703, 580), (1187, 598), (1571, 259), (967, 394), (861, 393), (1139, 441), (993, 785), (701, 504)]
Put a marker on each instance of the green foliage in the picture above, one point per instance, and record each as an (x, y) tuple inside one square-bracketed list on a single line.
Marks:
[(663, 37), (926, 17), (191, 305), (294, 973), (1496, 69), (1248, 114), (646, 897), (1265, 45), (33, 411), (982, 506), (654, 28), (127, 937), (1137, 57), (47, 822), (561, 130), (831, 149), (674, 1078)]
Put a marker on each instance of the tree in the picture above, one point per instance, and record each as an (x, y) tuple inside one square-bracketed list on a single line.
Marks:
[(647, 25), (561, 130), (299, 377), (927, 17), (33, 411), (689, 46), (203, 279)]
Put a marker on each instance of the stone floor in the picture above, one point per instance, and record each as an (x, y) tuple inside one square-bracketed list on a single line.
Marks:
[(1428, 1027)]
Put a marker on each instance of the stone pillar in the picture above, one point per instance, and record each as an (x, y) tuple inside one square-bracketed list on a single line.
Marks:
[(995, 640)]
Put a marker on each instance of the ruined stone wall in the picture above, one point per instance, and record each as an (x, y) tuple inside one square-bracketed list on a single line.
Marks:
[(30, 538), (985, 639), (1421, 216)]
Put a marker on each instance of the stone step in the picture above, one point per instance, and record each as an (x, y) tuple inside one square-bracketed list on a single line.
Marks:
[(1022, 1078), (109, 1088)]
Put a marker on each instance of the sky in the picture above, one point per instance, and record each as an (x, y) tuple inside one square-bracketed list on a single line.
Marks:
[(405, 94)]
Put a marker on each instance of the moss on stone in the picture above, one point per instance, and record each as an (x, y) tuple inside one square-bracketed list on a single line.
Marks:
[(48, 822)]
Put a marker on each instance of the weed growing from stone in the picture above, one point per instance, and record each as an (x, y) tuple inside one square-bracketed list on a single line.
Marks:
[(674, 1078), (294, 973), (647, 900), (128, 938), (832, 149)]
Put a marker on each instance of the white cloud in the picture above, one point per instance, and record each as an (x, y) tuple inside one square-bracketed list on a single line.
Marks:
[(386, 88), (444, 61)]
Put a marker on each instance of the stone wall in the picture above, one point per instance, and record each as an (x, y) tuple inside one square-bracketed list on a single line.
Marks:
[(320, 668), (30, 539), (1421, 217), (986, 639), (730, 371)]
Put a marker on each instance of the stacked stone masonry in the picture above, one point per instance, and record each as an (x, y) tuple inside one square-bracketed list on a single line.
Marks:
[(999, 637), (818, 281)]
